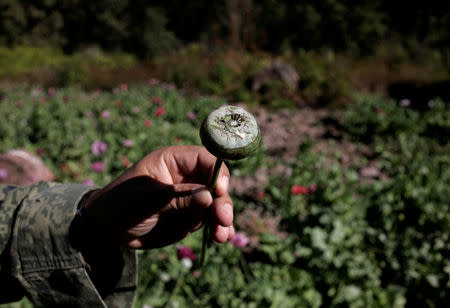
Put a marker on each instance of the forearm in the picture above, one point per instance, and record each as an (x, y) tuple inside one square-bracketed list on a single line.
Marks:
[(40, 256)]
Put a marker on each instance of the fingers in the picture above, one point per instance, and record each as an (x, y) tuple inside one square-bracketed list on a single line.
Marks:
[(187, 195), (222, 210), (222, 234), (190, 164), (222, 183), (221, 207)]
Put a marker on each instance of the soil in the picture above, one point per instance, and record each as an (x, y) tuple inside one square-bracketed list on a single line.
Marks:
[(285, 129)]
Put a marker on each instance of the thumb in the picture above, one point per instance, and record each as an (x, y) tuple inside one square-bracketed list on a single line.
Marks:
[(188, 195)]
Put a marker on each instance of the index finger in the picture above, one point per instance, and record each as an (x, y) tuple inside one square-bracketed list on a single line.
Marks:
[(193, 164)]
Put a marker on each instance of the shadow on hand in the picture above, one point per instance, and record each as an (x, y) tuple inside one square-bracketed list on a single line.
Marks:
[(132, 201)]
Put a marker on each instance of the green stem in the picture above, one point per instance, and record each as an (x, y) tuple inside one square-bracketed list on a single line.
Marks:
[(206, 241), (176, 288), (245, 267)]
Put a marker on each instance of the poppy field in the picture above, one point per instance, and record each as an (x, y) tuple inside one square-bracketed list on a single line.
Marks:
[(371, 231)]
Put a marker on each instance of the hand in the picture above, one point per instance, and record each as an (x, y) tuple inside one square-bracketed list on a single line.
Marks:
[(160, 200)]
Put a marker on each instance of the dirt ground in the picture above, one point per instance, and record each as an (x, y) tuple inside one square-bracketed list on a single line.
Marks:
[(285, 129)]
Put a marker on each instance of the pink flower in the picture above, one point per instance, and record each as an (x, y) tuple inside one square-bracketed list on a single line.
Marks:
[(124, 87), (239, 240), (261, 195), (88, 182), (159, 111), (40, 151), (152, 82), (185, 252), (98, 147), (157, 100), (191, 116), (3, 174), (405, 102), (127, 143), (147, 123), (135, 109), (65, 167), (98, 166), (312, 188), (89, 114), (196, 274), (125, 161), (105, 114), (299, 190)]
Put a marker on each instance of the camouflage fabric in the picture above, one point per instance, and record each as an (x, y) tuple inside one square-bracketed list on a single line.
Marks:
[(38, 261)]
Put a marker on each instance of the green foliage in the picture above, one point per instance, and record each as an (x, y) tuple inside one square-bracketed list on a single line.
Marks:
[(372, 118), (65, 124), (152, 28), (52, 63), (348, 242), (323, 79), (125, 26)]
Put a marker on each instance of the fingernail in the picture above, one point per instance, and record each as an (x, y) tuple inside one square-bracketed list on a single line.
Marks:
[(224, 180), (227, 207)]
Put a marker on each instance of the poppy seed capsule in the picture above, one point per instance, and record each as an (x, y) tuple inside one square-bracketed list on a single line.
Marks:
[(230, 133)]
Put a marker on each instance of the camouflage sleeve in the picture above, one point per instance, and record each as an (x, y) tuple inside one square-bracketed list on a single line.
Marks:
[(38, 260)]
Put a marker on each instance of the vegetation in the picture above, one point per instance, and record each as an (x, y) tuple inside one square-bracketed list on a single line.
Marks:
[(326, 235), (342, 240), (147, 28)]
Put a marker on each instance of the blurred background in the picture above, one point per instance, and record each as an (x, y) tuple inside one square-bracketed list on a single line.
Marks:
[(346, 204)]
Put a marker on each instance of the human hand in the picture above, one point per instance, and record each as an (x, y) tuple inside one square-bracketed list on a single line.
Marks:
[(160, 200)]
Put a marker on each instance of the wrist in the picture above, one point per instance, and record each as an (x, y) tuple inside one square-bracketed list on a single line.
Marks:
[(79, 232)]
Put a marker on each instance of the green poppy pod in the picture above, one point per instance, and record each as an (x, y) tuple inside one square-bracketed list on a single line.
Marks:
[(230, 133)]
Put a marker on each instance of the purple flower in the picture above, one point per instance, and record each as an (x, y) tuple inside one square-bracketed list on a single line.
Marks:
[(98, 166), (89, 114), (88, 182), (98, 147), (405, 102), (51, 92), (105, 114), (191, 116), (185, 252), (240, 240), (3, 174), (127, 143)]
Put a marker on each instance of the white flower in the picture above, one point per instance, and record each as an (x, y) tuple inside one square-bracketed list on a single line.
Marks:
[(186, 263)]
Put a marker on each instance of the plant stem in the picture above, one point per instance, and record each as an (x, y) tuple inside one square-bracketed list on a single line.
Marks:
[(206, 240)]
